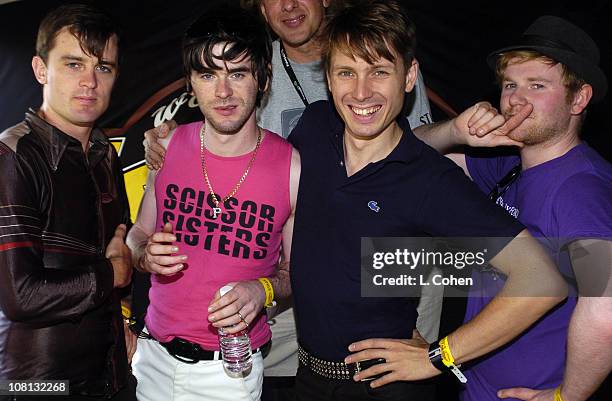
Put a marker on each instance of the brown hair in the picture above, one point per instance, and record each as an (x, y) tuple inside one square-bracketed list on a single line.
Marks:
[(571, 81), (89, 25), (369, 29)]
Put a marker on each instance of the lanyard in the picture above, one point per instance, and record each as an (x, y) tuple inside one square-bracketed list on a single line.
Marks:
[(502, 185), (291, 74)]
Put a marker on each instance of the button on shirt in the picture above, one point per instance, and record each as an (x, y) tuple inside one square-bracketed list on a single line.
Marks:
[(417, 192)]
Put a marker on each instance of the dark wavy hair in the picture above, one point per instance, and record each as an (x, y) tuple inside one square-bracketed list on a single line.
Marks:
[(242, 30), (91, 26)]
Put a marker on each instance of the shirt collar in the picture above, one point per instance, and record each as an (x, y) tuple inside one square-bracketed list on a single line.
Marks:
[(408, 149), (56, 141)]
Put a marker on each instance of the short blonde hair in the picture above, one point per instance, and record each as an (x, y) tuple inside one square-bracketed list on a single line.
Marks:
[(572, 82)]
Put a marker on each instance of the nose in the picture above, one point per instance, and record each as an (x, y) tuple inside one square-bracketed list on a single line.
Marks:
[(223, 89), (288, 5), (89, 79), (362, 90), (517, 97)]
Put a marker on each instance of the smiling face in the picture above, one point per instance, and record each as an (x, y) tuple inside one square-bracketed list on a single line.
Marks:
[(369, 96), (226, 93), (296, 22), (76, 86), (541, 84)]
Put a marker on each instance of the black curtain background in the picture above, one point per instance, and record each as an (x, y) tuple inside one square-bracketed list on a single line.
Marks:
[(453, 41)]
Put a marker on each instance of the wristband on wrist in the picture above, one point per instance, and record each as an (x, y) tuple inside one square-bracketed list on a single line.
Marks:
[(126, 312), (267, 285), (558, 394), (442, 359)]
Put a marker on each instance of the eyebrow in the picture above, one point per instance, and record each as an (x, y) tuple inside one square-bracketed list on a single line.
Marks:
[(82, 59), (209, 70), (506, 77), (371, 66)]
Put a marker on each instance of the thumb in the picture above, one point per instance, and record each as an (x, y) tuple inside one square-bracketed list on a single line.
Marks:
[(521, 393), (167, 228), (121, 231)]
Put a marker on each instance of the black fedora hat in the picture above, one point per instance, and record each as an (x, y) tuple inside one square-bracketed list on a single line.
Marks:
[(564, 42)]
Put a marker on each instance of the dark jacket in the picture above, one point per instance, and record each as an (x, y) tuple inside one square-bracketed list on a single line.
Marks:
[(59, 315)]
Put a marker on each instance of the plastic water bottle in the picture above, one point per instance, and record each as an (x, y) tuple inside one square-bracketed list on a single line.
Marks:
[(235, 348)]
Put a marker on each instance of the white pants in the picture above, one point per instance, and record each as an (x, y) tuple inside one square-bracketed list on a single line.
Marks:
[(163, 378)]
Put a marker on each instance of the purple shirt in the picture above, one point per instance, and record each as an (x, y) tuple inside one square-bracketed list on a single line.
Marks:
[(561, 200)]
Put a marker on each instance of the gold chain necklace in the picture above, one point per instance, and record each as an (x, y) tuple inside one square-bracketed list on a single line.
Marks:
[(217, 209)]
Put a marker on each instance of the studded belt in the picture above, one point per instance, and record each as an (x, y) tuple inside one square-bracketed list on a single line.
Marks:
[(333, 369)]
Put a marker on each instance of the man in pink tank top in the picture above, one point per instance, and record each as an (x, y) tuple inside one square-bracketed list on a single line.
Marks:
[(219, 212)]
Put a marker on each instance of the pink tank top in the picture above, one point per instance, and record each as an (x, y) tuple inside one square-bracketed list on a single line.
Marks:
[(242, 243)]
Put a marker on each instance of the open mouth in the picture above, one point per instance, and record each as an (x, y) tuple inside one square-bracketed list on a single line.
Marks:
[(365, 111), (294, 21)]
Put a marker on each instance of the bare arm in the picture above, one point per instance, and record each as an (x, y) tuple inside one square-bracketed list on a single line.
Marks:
[(478, 126), (590, 330), (248, 297), (153, 252), (533, 286)]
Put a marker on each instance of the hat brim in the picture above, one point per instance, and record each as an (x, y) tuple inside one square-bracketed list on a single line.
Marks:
[(582, 67)]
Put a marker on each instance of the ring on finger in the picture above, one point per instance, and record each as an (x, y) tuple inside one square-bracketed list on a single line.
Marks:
[(241, 318)]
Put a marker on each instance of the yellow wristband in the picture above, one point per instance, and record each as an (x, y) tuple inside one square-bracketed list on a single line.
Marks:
[(558, 394), (447, 356), (267, 285), (126, 312)]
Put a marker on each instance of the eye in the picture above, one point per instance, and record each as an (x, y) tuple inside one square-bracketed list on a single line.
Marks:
[(345, 74), (537, 86), (237, 75), (73, 65), (509, 85), (381, 73), (206, 76), (105, 69)]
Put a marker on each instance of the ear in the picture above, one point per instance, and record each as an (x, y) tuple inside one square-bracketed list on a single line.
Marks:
[(262, 10), (40, 70), (411, 75), (582, 99)]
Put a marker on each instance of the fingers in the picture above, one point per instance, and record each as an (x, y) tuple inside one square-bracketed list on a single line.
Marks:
[(481, 111), (516, 120), (154, 151), (386, 379), (371, 343), (169, 126), (372, 353), (484, 119), (167, 228), (161, 255), (237, 308), (372, 371), (521, 393)]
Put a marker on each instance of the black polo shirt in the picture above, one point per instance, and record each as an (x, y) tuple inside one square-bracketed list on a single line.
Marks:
[(418, 192)]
